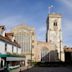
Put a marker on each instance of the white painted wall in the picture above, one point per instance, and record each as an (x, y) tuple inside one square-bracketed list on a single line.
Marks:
[(19, 50), (15, 49), (2, 47), (9, 48)]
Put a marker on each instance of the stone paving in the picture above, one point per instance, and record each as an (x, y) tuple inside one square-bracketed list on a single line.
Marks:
[(49, 69)]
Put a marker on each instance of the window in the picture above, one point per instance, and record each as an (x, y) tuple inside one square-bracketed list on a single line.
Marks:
[(32, 33), (55, 23), (32, 41), (32, 46), (5, 46), (12, 48), (44, 52)]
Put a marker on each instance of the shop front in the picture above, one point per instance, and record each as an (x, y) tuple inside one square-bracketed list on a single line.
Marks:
[(10, 62)]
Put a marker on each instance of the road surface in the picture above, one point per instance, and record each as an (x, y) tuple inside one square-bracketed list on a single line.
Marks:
[(49, 69)]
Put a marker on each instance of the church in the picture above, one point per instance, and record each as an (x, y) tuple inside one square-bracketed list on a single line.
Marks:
[(52, 50)]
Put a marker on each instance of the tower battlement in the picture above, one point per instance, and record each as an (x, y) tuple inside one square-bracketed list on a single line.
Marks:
[(55, 15)]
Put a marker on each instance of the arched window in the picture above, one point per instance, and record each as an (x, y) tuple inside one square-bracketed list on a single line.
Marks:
[(44, 51), (44, 54), (55, 23)]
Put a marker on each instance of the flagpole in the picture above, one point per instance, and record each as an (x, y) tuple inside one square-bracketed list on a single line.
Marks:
[(49, 8)]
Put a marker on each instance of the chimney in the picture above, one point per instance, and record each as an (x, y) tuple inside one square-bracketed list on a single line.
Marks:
[(2, 30), (13, 38)]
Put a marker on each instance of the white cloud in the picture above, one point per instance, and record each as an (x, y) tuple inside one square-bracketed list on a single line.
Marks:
[(10, 21), (67, 21), (67, 26), (67, 3), (67, 31)]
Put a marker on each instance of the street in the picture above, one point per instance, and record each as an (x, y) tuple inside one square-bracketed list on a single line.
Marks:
[(49, 69)]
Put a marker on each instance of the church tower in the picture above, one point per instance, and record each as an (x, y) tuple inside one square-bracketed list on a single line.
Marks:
[(54, 37)]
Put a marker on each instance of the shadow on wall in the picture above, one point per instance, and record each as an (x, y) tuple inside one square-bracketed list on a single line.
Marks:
[(52, 56), (46, 62)]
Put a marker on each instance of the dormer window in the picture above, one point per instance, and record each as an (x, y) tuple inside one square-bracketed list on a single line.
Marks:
[(5, 46)]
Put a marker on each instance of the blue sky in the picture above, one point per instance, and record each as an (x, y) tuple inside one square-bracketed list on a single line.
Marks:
[(34, 13)]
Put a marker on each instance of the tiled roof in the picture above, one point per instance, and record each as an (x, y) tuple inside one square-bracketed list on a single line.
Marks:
[(15, 42), (7, 39), (2, 26), (68, 49), (9, 34)]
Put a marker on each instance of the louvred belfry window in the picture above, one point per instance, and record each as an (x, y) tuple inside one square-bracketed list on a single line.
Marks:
[(55, 25)]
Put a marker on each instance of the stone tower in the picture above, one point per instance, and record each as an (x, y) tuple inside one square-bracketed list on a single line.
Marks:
[(54, 37)]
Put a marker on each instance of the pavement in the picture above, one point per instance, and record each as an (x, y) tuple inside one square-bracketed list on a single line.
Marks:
[(22, 68), (49, 69)]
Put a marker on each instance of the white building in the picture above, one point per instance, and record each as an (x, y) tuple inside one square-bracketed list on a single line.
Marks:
[(10, 50)]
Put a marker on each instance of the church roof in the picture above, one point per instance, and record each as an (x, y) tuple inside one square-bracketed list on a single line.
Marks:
[(42, 43)]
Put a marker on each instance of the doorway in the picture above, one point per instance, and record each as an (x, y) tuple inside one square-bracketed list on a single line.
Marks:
[(68, 57)]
